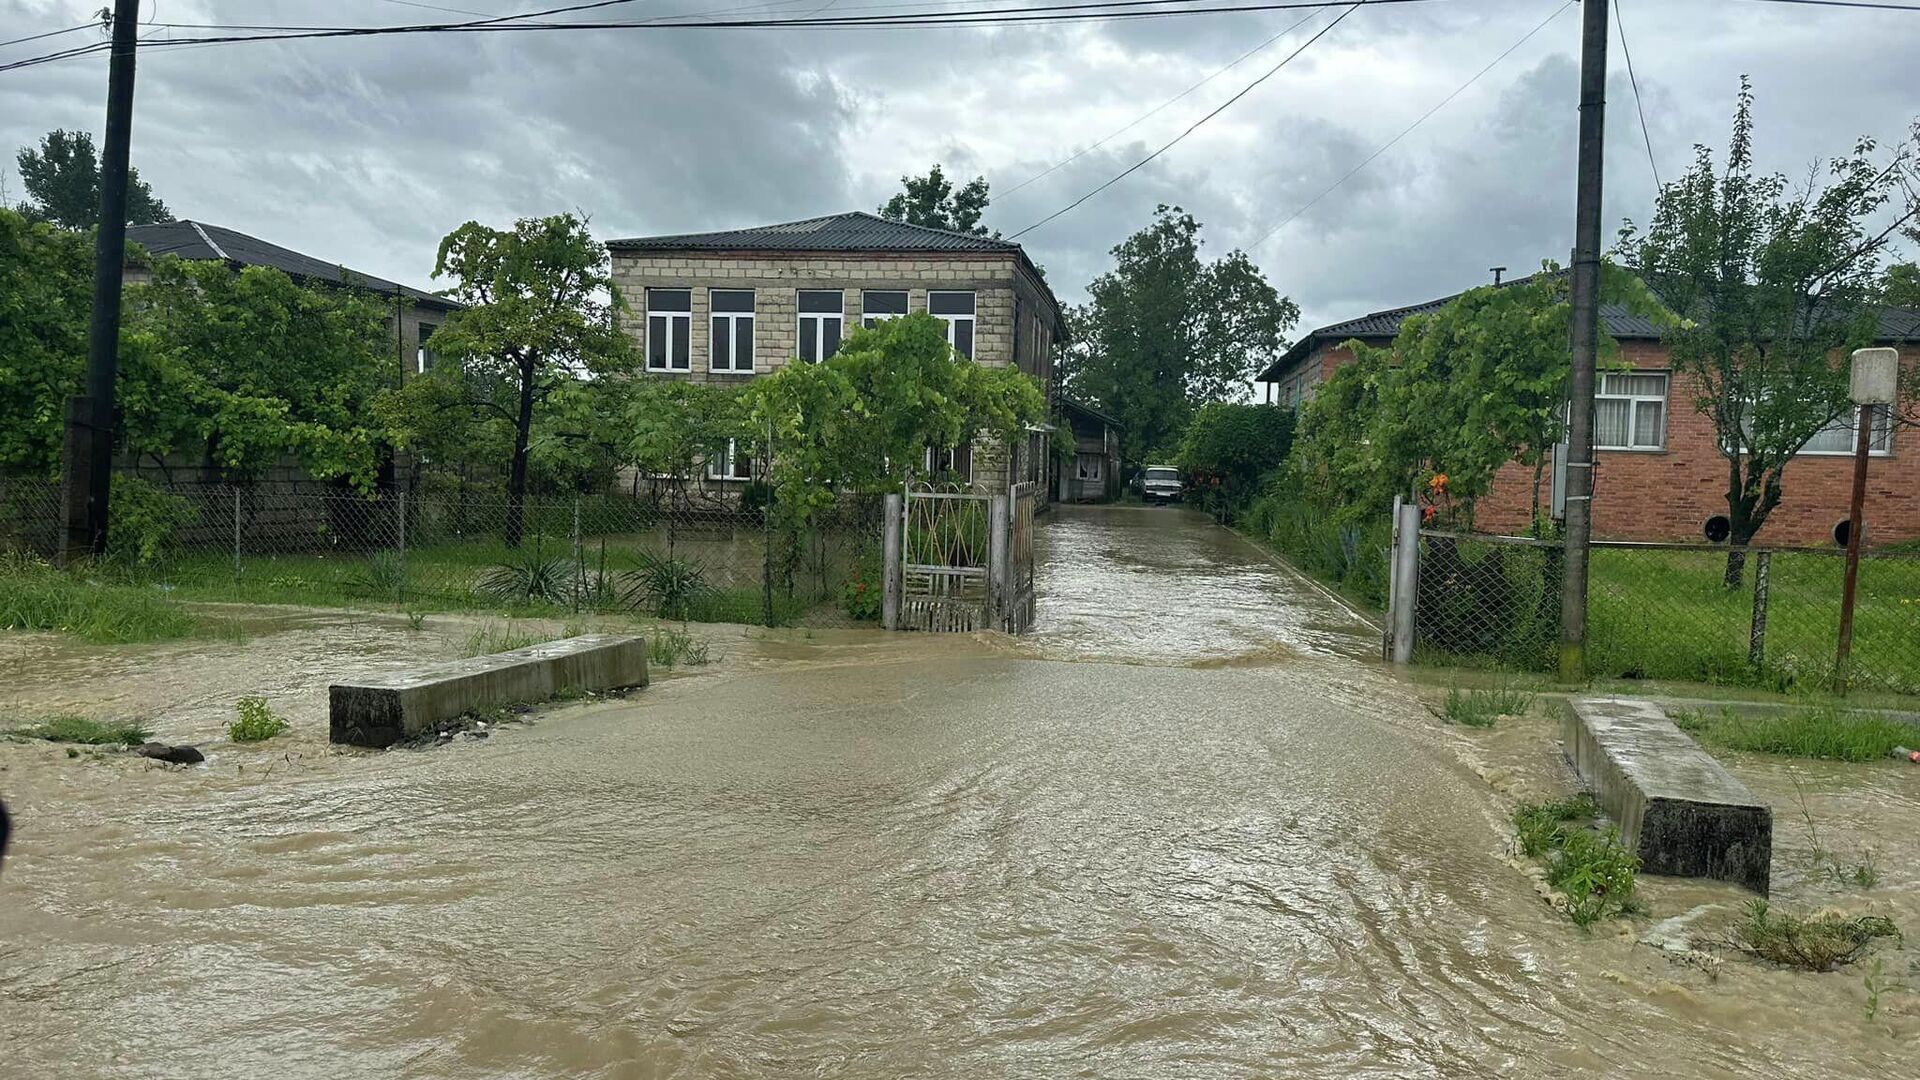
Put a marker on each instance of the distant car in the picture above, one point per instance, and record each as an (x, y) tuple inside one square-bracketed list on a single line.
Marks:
[(1161, 483)]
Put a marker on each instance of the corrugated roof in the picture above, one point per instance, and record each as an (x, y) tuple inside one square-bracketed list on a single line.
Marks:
[(852, 231), (1068, 404), (1896, 324), (198, 240)]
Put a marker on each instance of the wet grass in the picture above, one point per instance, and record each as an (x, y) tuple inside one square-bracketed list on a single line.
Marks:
[(254, 722), (1589, 867), (1481, 708), (36, 596), (1811, 943), (1822, 731), (85, 731), (676, 648), (492, 638)]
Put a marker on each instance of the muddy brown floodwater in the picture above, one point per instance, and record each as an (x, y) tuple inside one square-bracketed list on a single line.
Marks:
[(1186, 829)]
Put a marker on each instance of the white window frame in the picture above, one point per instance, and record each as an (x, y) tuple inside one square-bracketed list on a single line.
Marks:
[(423, 356), (951, 453), (972, 320), (721, 466), (870, 319), (731, 319), (818, 331), (666, 317), (1881, 445), (1634, 402)]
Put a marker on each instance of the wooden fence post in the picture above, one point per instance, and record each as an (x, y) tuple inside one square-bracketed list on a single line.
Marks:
[(1406, 580), (1757, 636), (891, 564)]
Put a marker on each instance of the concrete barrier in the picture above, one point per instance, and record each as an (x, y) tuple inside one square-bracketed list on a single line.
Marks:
[(1678, 808), (380, 710)]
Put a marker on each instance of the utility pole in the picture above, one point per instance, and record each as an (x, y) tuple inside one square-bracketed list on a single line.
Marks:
[(1586, 339), (90, 417)]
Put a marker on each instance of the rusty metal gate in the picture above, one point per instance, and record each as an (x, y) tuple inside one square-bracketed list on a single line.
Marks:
[(960, 559), (1017, 612)]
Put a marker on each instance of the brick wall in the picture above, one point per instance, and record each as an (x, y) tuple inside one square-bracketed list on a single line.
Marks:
[(999, 284), (1668, 494)]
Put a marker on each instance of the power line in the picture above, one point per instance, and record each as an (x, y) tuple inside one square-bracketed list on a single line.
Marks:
[(1143, 118), (1634, 81), (50, 33), (1424, 117), (1868, 4), (1195, 126)]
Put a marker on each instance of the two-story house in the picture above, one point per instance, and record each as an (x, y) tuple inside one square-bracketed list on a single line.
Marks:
[(726, 307)]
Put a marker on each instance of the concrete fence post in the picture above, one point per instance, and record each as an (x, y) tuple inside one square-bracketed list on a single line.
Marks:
[(236, 532), (1757, 636), (891, 571), (1406, 578), (579, 558), (999, 560), (1393, 577)]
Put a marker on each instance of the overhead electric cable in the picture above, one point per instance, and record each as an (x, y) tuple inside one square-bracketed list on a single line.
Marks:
[(1634, 81)]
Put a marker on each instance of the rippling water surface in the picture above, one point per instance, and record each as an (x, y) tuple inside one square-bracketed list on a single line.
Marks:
[(1185, 829)]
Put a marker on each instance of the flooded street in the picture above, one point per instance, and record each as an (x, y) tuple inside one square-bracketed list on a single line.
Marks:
[(1187, 828)]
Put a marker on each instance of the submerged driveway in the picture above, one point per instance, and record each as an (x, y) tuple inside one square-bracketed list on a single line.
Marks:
[(1178, 832)]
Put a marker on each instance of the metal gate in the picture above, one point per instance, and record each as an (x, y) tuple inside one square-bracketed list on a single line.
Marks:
[(1017, 612), (945, 582)]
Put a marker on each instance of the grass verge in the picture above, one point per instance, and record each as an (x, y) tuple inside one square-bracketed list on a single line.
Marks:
[(1481, 708), (1813, 943), (36, 596), (87, 732), (1591, 869), (676, 648), (493, 638), (1824, 731)]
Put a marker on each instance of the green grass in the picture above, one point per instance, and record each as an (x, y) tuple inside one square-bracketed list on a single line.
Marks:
[(1814, 943), (1822, 731), (493, 638), (1595, 873), (35, 596), (676, 648), (254, 722), (1480, 708), (88, 732)]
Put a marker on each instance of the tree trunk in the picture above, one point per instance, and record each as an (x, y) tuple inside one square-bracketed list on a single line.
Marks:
[(517, 475)]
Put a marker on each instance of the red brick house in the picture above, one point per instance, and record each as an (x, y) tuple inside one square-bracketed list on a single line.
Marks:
[(1658, 474)]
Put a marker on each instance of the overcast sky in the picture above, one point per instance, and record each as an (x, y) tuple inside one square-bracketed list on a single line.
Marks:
[(365, 151)]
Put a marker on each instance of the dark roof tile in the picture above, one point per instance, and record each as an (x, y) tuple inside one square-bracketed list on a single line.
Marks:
[(197, 240), (853, 231)]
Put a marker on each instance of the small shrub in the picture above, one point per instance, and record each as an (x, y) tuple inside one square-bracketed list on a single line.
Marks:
[(1596, 872), (1817, 943), (88, 732), (674, 648), (527, 578), (671, 587), (385, 572), (416, 620), (1480, 708), (861, 595), (254, 722), (145, 519), (1541, 827)]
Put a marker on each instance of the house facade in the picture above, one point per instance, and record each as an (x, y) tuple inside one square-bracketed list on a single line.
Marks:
[(416, 313), (1659, 474), (728, 307), (1094, 473)]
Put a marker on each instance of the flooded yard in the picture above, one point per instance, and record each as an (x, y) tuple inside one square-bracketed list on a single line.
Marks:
[(1188, 828)]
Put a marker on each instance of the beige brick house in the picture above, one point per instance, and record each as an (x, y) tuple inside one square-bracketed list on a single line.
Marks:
[(726, 307)]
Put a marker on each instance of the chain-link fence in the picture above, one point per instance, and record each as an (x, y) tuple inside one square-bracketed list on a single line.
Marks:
[(661, 554), (1753, 617)]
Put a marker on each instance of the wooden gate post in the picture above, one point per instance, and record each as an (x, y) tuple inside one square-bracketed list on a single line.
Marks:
[(891, 563), (999, 559)]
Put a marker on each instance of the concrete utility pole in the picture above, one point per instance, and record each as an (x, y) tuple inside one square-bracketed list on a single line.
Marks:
[(90, 417), (1586, 339)]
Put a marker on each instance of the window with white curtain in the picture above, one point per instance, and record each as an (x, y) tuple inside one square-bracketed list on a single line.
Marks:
[(729, 461), (1630, 411), (1838, 437)]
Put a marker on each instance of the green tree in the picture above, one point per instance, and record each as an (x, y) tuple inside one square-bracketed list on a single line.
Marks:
[(539, 318), (245, 367), (46, 290), (1165, 331), (1772, 285), (62, 178), (932, 201), (1229, 448), (1900, 286)]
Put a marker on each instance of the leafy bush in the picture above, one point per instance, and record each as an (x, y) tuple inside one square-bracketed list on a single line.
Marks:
[(89, 732), (670, 586), (1540, 827), (1593, 870), (1228, 447), (254, 722), (861, 595), (1348, 551), (145, 519), (385, 572)]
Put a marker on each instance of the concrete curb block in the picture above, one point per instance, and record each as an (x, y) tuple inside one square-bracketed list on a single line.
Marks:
[(380, 710)]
